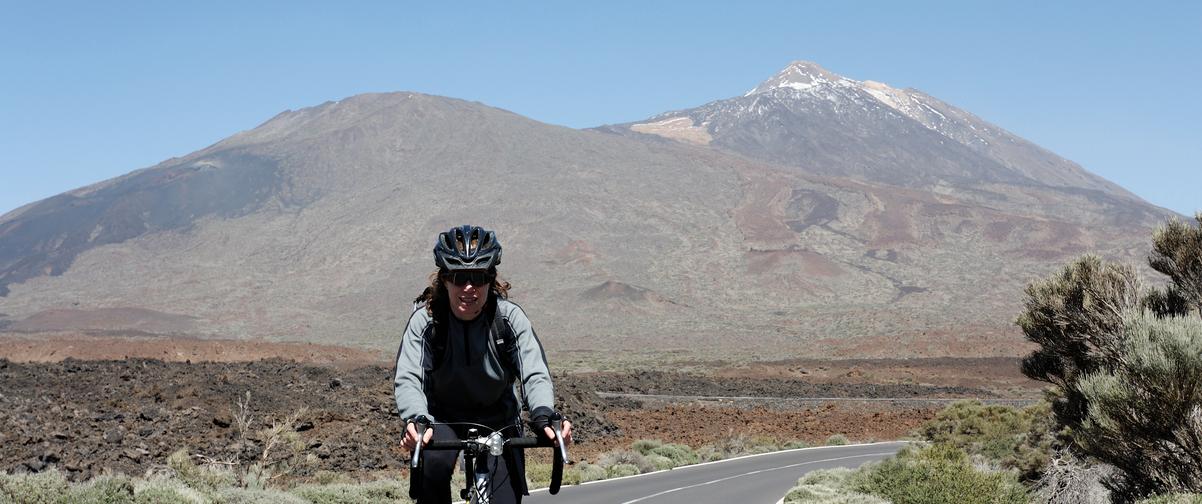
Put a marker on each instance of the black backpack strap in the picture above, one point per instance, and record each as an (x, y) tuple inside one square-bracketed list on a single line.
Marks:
[(506, 343)]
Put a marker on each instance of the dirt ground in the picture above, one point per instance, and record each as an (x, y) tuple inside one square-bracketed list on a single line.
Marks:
[(127, 415), (57, 346)]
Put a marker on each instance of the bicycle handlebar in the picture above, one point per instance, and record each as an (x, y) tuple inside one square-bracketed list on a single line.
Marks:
[(460, 444), (560, 458)]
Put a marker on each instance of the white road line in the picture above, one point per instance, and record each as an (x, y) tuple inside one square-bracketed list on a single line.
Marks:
[(1006, 400), (732, 459), (719, 480)]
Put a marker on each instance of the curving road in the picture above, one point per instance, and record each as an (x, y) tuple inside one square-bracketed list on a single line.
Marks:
[(746, 480)]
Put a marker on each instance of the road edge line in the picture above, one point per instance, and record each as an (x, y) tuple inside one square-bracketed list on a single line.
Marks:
[(544, 489)]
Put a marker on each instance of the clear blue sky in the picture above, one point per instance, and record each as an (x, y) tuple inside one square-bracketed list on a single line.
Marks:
[(92, 90)]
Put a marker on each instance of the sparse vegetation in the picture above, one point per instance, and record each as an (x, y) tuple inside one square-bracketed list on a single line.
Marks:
[(197, 479), (51, 487), (937, 474), (828, 486), (736, 445), (934, 474)]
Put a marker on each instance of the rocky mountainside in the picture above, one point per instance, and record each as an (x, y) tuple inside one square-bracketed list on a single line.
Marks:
[(317, 225)]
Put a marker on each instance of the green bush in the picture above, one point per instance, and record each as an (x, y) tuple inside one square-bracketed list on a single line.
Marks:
[(620, 470), (202, 478), (538, 474), (246, 496), (828, 486), (837, 440), (386, 491), (571, 476), (644, 446), (103, 490), (1076, 319), (1021, 439), (660, 462), (162, 490), (678, 454), (42, 488), (325, 477), (1125, 362), (590, 472), (626, 457), (793, 445), (935, 475), (1143, 415)]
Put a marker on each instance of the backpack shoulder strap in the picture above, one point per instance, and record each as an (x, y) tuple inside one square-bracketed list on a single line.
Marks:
[(505, 341)]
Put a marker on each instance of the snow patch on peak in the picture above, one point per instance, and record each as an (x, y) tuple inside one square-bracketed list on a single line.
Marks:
[(801, 76), (894, 98)]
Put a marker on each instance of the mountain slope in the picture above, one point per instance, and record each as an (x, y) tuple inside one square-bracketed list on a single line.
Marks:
[(317, 226)]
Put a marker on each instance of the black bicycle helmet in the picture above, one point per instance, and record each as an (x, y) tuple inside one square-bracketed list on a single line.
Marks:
[(467, 247)]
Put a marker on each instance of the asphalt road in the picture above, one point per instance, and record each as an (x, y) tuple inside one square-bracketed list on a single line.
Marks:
[(757, 479)]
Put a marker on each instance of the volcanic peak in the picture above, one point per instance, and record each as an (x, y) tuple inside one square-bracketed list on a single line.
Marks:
[(801, 76)]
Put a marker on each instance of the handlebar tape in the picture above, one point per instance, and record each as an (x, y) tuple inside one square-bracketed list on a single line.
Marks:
[(522, 442), (415, 472)]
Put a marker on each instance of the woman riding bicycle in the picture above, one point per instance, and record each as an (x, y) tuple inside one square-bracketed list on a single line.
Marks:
[(464, 348)]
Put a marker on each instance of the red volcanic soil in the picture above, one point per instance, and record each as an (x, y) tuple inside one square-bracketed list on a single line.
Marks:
[(696, 425), (85, 417), (54, 347)]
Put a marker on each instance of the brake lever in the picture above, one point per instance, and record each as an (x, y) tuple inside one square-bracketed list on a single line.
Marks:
[(420, 427), (561, 455), (557, 428)]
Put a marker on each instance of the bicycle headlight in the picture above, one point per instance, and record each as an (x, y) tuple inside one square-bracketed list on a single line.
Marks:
[(495, 444)]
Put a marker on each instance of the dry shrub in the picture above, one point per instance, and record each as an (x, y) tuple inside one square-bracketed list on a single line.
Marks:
[(1069, 480)]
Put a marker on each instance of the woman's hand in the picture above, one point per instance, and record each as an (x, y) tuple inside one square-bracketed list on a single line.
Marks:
[(567, 433), (410, 441)]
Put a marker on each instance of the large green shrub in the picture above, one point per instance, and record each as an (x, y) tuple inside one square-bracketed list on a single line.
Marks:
[(1124, 362), (1177, 253), (937, 474), (1145, 416), (1010, 437), (1076, 318)]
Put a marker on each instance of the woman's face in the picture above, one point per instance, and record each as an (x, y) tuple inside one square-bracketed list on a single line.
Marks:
[(467, 300)]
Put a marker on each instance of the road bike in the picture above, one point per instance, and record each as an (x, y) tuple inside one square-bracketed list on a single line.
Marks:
[(481, 442)]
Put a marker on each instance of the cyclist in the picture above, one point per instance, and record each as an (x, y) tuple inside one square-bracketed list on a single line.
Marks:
[(464, 348)]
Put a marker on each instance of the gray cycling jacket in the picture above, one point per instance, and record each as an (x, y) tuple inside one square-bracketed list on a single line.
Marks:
[(468, 383)]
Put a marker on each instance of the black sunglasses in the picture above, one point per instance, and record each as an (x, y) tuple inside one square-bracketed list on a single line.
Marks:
[(477, 278)]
